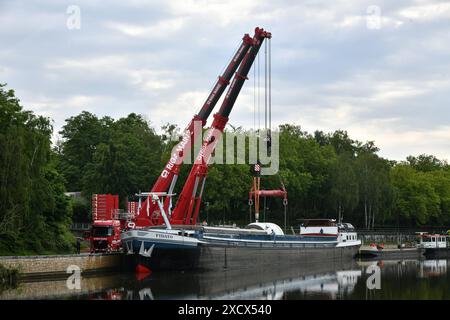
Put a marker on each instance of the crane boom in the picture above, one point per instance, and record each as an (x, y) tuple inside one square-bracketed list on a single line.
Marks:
[(188, 205), (168, 177)]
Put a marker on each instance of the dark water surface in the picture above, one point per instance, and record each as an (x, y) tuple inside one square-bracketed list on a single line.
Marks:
[(399, 279)]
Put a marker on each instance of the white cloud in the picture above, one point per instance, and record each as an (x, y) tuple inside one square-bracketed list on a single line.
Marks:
[(178, 108), (397, 144), (427, 12), (93, 63), (161, 29), (222, 12)]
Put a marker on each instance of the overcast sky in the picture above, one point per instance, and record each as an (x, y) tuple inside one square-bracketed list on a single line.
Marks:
[(378, 69)]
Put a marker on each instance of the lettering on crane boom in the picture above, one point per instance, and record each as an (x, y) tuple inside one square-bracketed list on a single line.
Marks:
[(211, 133), (175, 155), (213, 94)]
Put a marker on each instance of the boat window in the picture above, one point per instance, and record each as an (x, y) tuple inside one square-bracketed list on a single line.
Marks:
[(319, 223), (433, 239)]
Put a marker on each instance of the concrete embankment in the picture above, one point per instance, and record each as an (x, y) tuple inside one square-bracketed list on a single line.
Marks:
[(55, 266)]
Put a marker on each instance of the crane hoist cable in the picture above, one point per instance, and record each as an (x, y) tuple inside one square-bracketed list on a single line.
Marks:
[(270, 84), (259, 93), (267, 97), (265, 86), (254, 97)]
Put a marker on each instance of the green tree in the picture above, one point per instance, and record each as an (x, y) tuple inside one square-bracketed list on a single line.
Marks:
[(81, 136), (34, 212), (106, 156), (426, 163), (416, 200), (344, 193), (375, 191), (128, 162)]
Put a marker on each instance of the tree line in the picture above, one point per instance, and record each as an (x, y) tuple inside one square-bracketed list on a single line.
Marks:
[(327, 175)]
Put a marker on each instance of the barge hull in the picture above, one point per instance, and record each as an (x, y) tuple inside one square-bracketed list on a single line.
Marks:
[(205, 257)]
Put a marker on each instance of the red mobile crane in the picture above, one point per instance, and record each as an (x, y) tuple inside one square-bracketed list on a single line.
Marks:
[(149, 213), (188, 205)]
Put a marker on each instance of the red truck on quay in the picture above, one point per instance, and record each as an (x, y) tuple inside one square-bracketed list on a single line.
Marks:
[(104, 235)]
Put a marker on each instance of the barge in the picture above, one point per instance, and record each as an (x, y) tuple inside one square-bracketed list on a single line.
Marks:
[(189, 247)]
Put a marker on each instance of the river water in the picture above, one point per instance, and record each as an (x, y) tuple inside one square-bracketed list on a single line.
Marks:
[(383, 279)]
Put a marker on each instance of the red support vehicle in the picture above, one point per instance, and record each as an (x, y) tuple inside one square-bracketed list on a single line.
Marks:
[(104, 235)]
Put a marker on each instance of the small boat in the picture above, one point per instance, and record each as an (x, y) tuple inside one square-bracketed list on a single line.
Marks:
[(259, 244), (372, 251), (435, 245)]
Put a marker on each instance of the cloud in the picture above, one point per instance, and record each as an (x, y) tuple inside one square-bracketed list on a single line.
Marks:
[(426, 12), (330, 69), (163, 28)]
